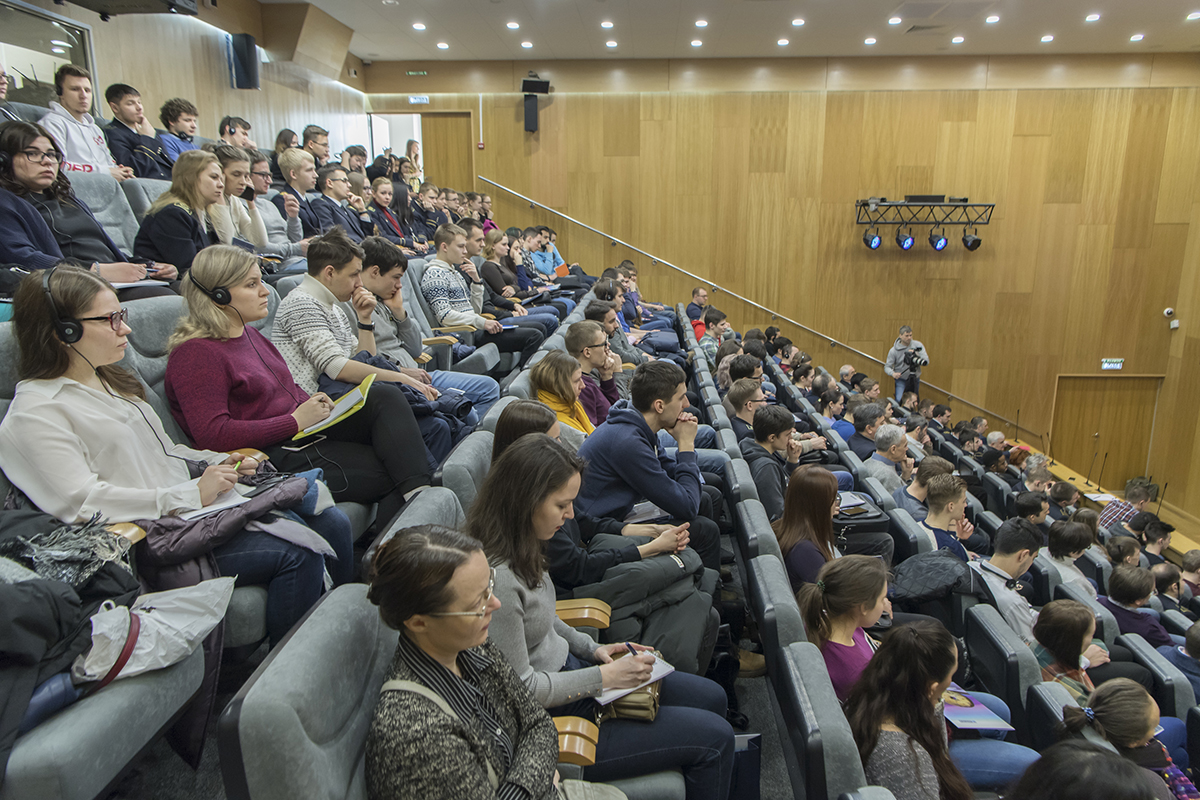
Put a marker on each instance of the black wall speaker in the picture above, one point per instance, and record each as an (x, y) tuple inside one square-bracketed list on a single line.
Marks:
[(243, 61), (531, 113)]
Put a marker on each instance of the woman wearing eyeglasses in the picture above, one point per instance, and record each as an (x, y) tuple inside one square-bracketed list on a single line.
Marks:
[(44, 222), (80, 439)]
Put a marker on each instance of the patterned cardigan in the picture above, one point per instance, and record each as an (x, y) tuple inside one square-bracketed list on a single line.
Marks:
[(415, 750)]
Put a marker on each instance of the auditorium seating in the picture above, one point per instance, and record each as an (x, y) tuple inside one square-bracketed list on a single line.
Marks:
[(435, 505), (1002, 662), (466, 467)]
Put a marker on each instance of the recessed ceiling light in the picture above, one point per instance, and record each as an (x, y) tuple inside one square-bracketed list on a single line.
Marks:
[(696, 42), (992, 20), (797, 22), (57, 50), (418, 26), (1194, 15), (606, 24), (958, 40), (869, 40), (1047, 38), (895, 21), (610, 44), (1091, 18), (443, 46), (701, 23), (391, 2), (527, 45), (1137, 37), (60, 43), (782, 42), (512, 26)]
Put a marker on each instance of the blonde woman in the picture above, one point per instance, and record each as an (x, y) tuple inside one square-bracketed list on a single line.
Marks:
[(237, 217), (558, 381), (177, 225)]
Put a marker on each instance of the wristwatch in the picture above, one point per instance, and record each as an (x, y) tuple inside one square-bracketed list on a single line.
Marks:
[(365, 327)]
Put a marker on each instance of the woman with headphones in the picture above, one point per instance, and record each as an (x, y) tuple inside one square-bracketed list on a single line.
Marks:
[(80, 439), (44, 222), (228, 387)]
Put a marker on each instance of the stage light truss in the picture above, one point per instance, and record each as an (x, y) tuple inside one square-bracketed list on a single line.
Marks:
[(873, 212)]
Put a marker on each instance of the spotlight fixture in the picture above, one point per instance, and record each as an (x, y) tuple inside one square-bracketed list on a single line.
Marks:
[(992, 20), (937, 240), (1092, 18), (872, 239), (970, 240), (904, 238), (606, 24)]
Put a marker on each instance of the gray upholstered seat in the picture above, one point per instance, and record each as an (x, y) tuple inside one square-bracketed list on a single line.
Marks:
[(521, 387), (142, 192), (298, 728), (554, 342), (72, 755), (466, 467), (488, 423), (27, 112), (480, 362), (1172, 689), (1004, 663), (756, 538), (102, 194), (435, 505), (1044, 711), (285, 285), (882, 498), (774, 606), (1106, 623)]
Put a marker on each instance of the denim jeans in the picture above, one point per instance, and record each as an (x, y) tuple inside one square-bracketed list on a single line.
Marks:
[(294, 577), (482, 391), (988, 762), (1174, 738), (690, 734), (910, 384)]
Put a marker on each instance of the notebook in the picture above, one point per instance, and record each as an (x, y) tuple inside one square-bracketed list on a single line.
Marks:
[(346, 405), (660, 670)]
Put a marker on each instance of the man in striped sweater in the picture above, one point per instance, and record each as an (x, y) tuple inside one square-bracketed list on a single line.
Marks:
[(453, 303)]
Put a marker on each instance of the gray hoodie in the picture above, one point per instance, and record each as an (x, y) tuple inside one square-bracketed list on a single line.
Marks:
[(895, 358)]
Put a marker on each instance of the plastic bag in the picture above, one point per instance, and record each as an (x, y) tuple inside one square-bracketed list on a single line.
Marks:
[(173, 625)]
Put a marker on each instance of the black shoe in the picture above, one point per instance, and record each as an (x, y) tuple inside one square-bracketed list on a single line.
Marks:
[(737, 719)]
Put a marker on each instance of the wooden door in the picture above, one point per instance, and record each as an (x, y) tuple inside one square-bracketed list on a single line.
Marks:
[(447, 150), (1094, 416)]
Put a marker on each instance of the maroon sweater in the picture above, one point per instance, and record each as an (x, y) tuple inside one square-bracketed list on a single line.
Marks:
[(232, 393), (597, 398)]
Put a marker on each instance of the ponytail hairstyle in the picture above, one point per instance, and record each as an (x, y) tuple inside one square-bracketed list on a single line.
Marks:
[(1119, 711), (843, 587), (895, 686), (411, 571)]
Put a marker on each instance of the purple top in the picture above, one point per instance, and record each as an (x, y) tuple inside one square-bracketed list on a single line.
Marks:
[(598, 397), (1136, 622), (845, 664)]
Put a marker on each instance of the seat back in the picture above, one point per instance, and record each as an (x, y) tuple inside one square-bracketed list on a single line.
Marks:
[(9, 357), (27, 111), (882, 498), (817, 729), (142, 192), (1002, 662), (102, 194), (285, 285), (755, 536), (1172, 689), (414, 274), (997, 491), (521, 387), (968, 464), (435, 505), (775, 608), (554, 342), (850, 461), (1097, 567), (151, 322), (488, 423), (909, 536), (1045, 578), (1044, 712), (298, 727), (466, 467)]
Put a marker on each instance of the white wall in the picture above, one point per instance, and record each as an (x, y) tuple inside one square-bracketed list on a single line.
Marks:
[(401, 128)]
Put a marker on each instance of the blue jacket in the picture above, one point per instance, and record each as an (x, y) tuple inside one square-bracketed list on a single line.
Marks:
[(330, 212), (426, 222), (174, 145), (385, 228), (694, 311), (1186, 664), (145, 155), (308, 218), (26, 239), (625, 464)]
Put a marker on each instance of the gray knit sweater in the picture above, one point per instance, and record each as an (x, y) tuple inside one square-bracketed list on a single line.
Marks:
[(901, 764), (313, 334), (536, 642)]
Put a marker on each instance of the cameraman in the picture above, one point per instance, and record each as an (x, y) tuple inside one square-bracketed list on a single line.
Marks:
[(904, 362)]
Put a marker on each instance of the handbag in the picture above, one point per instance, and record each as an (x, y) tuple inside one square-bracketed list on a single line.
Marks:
[(640, 704)]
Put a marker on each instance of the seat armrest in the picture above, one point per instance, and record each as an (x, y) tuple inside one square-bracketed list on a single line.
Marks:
[(432, 340), (576, 741), (585, 612), (455, 328), (424, 358), (127, 530)]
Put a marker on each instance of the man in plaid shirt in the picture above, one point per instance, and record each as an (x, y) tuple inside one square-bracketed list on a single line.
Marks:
[(1118, 511)]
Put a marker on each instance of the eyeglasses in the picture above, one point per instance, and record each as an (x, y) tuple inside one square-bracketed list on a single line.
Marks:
[(115, 320), (337, 180), (603, 344), (37, 156), (261, 174), (483, 610)]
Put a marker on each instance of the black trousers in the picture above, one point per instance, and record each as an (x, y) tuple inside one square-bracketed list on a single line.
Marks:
[(1121, 666), (376, 455), (521, 340), (704, 534)]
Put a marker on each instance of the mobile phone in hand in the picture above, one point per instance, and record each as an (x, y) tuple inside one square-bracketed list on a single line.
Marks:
[(248, 194)]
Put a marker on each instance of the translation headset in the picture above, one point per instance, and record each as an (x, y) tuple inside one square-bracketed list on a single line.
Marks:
[(218, 294), (69, 329)]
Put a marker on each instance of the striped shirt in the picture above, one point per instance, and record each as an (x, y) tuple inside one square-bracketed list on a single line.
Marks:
[(313, 334), (1116, 511)]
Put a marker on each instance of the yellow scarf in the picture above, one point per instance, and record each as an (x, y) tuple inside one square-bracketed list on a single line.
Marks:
[(572, 415)]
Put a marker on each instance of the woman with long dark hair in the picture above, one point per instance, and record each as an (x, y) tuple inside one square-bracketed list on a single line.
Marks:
[(805, 531), (526, 498)]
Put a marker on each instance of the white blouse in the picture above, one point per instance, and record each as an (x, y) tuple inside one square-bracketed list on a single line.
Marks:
[(76, 451), (235, 218)]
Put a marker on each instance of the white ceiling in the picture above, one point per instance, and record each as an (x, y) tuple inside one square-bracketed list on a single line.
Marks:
[(476, 30)]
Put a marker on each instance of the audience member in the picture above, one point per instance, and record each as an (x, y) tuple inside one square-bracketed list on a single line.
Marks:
[(284, 140), (744, 398), (996, 462), (1065, 646), (335, 190), (773, 454), (870, 389), (557, 381), (228, 387), (605, 313), (867, 420), (1124, 714), (805, 530), (695, 309), (1186, 657), (1063, 497), (889, 463), (1037, 479), (587, 344), (821, 383), (427, 216), (386, 224), (5, 114), (1034, 507), (1067, 543), (1123, 550), (300, 174), (177, 225), (1168, 585), (1130, 588), (916, 428), (940, 420), (235, 219), (236, 131), (412, 152), (1089, 517), (79, 140), (354, 159), (544, 319), (179, 118), (452, 303), (72, 445), (995, 440), (802, 377), (44, 222), (627, 462), (1079, 770), (524, 500), (909, 402), (1190, 569), (845, 373), (912, 498), (1155, 539), (925, 408), (947, 502), (315, 141), (398, 336), (1135, 526), (499, 270), (285, 231), (833, 406), (131, 137)]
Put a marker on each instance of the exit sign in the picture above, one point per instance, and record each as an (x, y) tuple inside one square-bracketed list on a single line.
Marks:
[(416, 72), (418, 99), (1112, 363)]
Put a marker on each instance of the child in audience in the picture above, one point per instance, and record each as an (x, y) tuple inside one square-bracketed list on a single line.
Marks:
[(435, 587), (1080, 770), (1125, 715), (234, 217), (525, 499), (229, 387), (1066, 647), (1187, 657), (1068, 541), (557, 381), (80, 440), (177, 225), (1130, 588), (1123, 550)]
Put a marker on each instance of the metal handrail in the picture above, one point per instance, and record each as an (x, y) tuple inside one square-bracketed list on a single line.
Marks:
[(774, 314)]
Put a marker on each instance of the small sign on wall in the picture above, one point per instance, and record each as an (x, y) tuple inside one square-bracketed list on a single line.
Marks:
[(1112, 363), (418, 99)]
